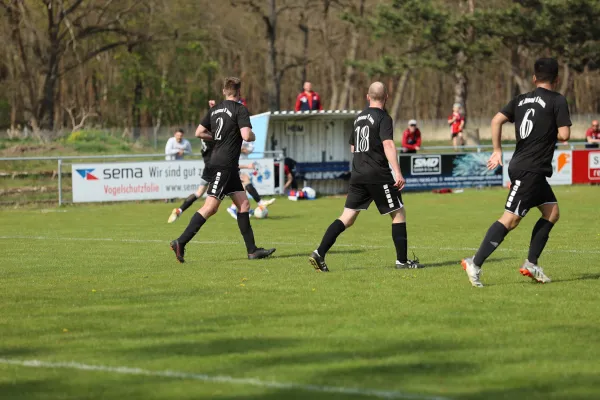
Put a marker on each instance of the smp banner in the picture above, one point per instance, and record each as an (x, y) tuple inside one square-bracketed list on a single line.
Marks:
[(426, 172), (152, 180), (562, 168)]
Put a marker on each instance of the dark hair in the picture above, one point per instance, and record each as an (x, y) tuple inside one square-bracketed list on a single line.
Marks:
[(232, 86), (546, 70), (180, 130)]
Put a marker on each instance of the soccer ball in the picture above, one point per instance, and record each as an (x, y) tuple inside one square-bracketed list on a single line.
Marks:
[(261, 212), (310, 193)]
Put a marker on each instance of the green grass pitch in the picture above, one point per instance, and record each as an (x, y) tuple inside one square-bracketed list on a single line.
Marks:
[(94, 293)]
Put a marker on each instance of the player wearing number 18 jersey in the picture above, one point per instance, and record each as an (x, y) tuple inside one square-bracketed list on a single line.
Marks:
[(541, 118), (372, 143), (227, 124)]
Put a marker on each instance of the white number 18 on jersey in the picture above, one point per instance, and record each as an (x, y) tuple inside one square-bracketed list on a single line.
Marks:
[(362, 139)]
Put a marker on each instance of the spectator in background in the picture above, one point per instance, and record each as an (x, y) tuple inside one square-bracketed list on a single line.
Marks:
[(457, 123), (592, 136), (308, 100), (177, 147), (289, 173), (411, 138)]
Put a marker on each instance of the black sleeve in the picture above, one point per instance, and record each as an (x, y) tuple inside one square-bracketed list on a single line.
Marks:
[(243, 118), (561, 111), (206, 121), (386, 128), (509, 110), (351, 141)]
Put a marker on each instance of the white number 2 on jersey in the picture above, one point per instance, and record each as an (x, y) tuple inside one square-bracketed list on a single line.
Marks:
[(527, 124), (362, 139), (219, 128)]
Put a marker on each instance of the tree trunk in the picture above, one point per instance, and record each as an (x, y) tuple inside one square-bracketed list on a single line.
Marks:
[(460, 83), (136, 115), (399, 94), (45, 114), (16, 17), (273, 86), (460, 74), (343, 103), (330, 64), (305, 32)]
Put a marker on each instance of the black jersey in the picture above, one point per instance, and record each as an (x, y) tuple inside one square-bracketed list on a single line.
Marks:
[(207, 148), (369, 164), (224, 121), (537, 116)]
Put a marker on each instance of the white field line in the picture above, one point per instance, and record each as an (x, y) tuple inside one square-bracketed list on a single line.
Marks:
[(308, 245), (381, 394)]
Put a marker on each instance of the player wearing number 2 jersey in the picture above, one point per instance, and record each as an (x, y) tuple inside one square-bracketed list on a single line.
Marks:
[(372, 143), (541, 118), (227, 124)]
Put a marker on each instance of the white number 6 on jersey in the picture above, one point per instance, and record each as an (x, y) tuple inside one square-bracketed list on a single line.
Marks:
[(527, 124)]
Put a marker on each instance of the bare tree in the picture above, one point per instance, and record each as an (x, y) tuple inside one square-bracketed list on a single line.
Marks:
[(61, 39), (352, 49), (275, 71)]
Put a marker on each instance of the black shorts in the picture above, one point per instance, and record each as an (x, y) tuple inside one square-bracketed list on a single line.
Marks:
[(528, 190), (386, 196), (207, 176), (453, 135), (224, 182)]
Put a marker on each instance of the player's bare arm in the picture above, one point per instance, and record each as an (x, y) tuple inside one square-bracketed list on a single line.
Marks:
[(248, 135), (203, 133), (496, 158), (564, 133), (389, 147)]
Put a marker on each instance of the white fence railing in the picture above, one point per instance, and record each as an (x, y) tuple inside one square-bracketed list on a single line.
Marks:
[(63, 161)]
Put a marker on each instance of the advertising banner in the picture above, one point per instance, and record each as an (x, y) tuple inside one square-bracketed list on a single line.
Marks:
[(562, 168), (425, 172), (586, 166), (152, 180)]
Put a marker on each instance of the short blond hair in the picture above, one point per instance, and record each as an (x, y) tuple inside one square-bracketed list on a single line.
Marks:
[(232, 86)]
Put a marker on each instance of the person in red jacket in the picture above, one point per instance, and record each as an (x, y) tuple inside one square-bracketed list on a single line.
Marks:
[(592, 136), (457, 123), (411, 138), (308, 100)]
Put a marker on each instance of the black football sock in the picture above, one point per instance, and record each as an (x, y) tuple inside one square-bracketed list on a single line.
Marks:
[(335, 229), (252, 190), (494, 236), (243, 220), (539, 238), (400, 241), (193, 227), (188, 202)]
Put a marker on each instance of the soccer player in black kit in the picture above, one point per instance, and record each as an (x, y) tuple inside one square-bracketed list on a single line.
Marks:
[(207, 147), (541, 118), (228, 124), (374, 150)]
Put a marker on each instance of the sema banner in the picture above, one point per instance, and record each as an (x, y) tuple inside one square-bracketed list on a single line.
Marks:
[(425, 172), (152, 180), (562, 168)]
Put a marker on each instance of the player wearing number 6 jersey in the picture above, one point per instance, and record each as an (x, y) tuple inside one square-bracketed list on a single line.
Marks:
[(372, 143), (227, 124), (541, 118)]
